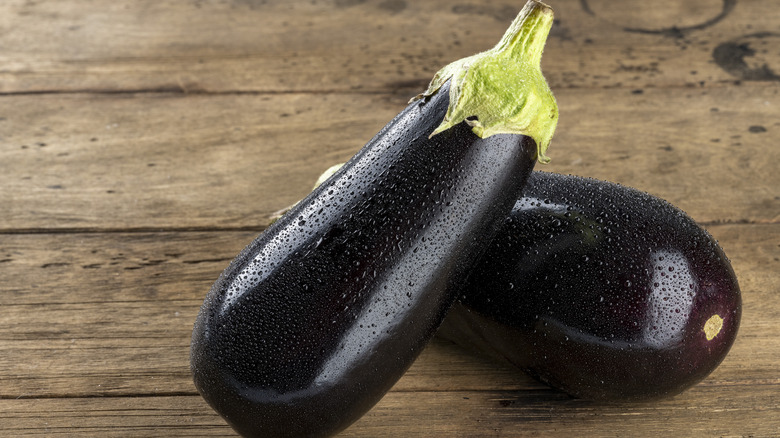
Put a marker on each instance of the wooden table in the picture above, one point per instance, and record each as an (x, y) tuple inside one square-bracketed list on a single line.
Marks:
[(144, 143)]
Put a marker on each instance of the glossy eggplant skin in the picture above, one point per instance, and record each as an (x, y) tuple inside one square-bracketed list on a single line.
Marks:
[(318, 317), (602, 291)]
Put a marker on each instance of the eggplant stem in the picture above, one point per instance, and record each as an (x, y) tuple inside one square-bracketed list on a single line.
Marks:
[(502, 90)]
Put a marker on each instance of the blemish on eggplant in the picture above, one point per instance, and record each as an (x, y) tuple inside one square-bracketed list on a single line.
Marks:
[(713, 326), (757, 129)]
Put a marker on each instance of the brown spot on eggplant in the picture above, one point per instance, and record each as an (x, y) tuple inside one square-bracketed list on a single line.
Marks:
[(601, 291), (713, 327)]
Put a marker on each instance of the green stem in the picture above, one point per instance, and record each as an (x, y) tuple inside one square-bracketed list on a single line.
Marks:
[(502, 90), (527, 34)]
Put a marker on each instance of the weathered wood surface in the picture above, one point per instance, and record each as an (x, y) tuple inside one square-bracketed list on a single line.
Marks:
[(369, 45), (143, 144), (194, 162)]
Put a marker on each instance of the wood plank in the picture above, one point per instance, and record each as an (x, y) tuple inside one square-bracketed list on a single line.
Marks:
[(96, 161), (111, 417), (119, 321), (164, 161), (51, 270), (710, 152), (140, 365), (107, 330), (369, 46), (144, 143), (700, 412)]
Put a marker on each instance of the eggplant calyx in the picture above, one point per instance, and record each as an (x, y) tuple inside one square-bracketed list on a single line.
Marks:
[(502, 90)]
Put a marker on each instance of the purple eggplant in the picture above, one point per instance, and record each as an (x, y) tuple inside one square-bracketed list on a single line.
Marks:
[(602, 291), (319, 316)]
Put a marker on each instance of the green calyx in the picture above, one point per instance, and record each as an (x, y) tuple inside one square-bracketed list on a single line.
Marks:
[(502, 90)]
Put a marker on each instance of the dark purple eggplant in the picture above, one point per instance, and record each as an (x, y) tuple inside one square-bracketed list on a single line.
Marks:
[(602, 291), (319, 316)]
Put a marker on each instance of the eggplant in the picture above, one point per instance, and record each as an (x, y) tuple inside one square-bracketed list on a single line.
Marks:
[(322, 313), (602, 291)]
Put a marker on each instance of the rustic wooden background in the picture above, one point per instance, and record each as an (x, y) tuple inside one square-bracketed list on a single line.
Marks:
[(144, 143)]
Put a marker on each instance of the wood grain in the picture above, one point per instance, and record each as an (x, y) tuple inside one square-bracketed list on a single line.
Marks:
[(192, 162), (120, 326), (702, 412), (367, 46), (144, 143)]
